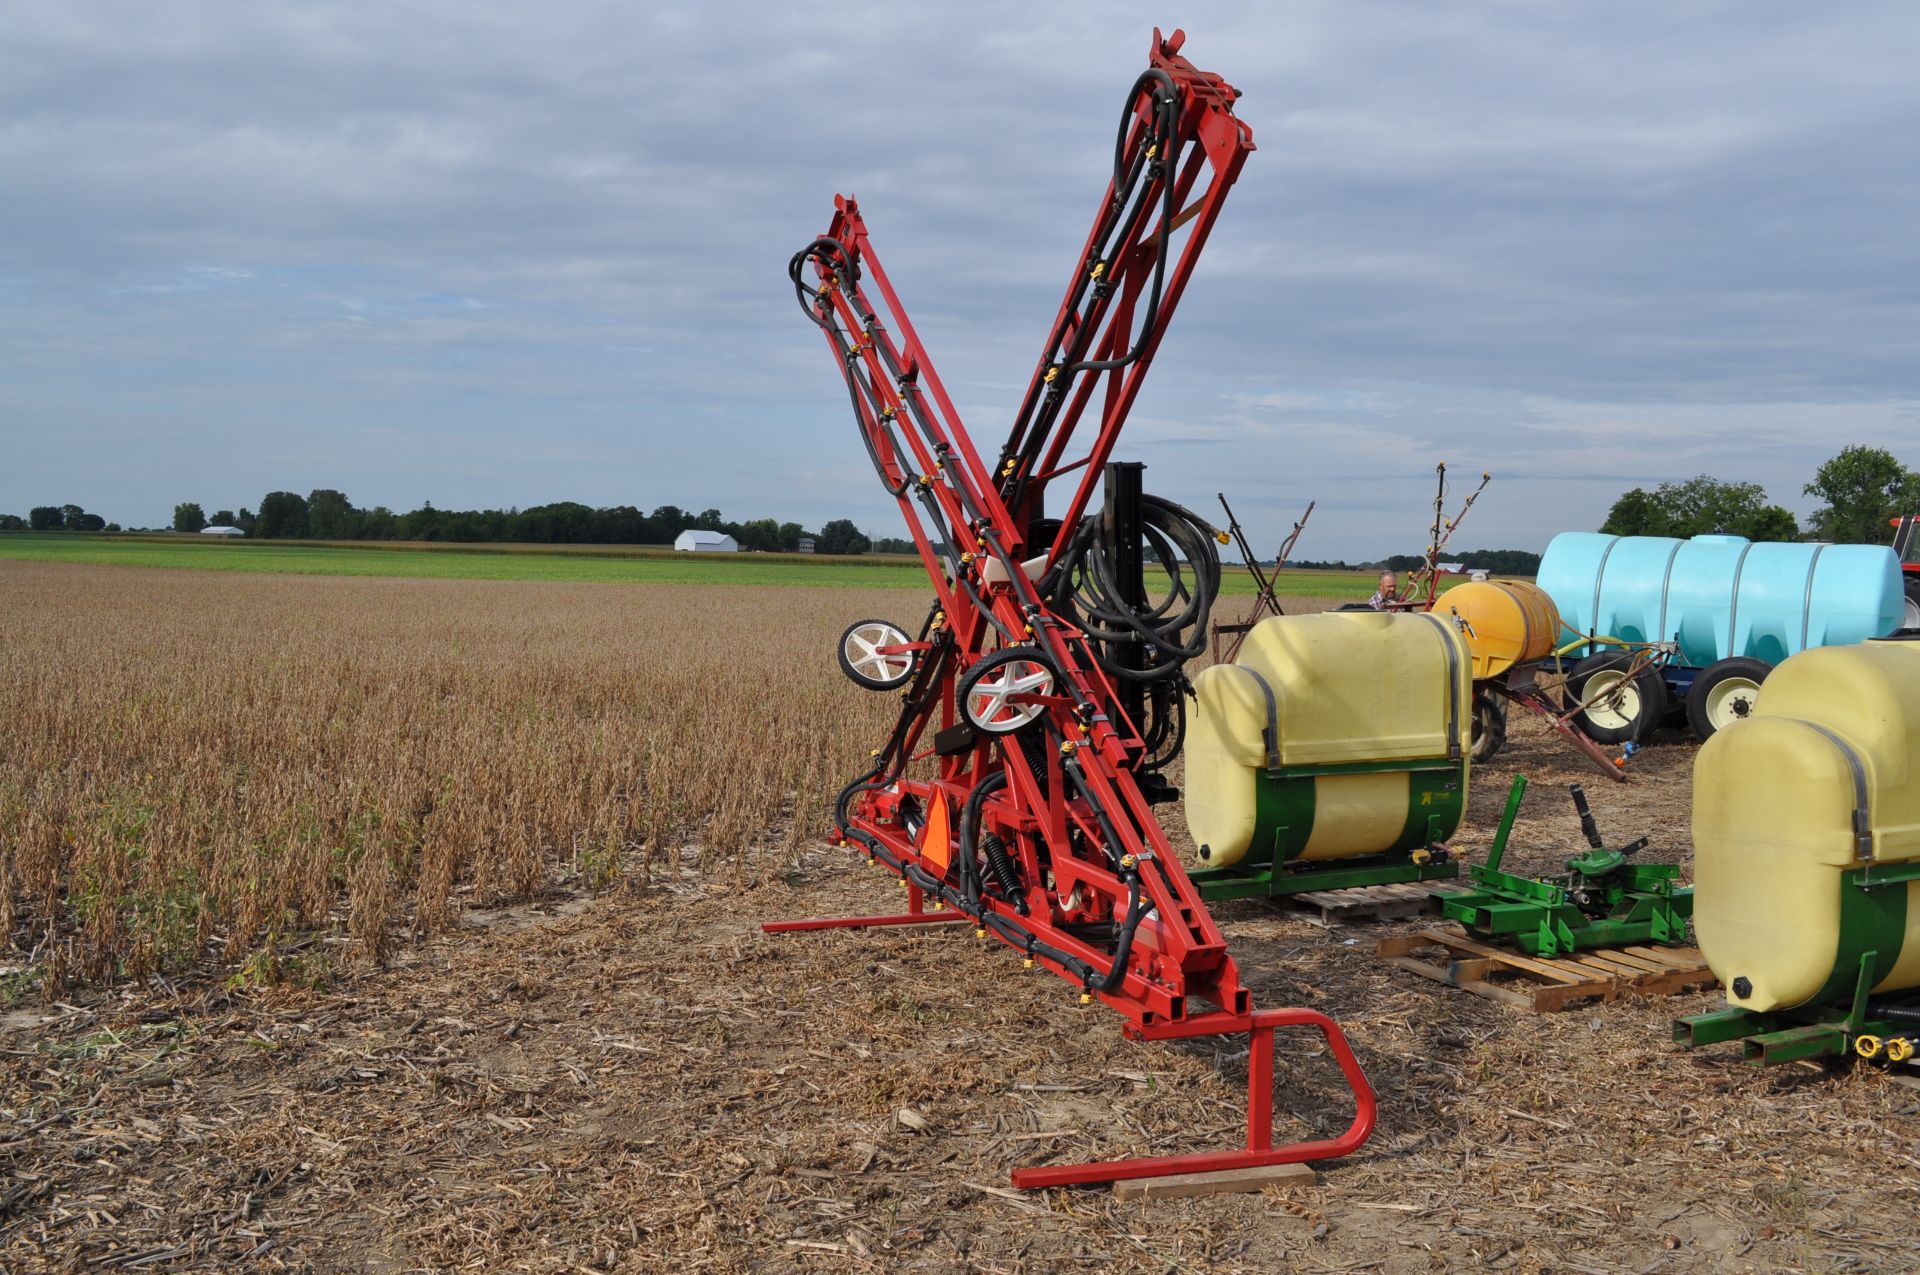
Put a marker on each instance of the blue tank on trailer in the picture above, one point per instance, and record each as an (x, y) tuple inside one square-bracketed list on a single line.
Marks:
[(1721, 596)]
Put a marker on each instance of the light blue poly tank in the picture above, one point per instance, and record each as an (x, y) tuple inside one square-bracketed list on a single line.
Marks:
[(1723, 595)]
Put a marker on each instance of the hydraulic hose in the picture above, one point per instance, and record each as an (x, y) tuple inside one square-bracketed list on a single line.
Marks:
[(1117, 972), (1085, 584), (1897, 1013), (1154, 155), (970, 814)]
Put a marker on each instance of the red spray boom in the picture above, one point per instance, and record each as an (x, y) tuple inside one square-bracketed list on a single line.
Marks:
[(1008, 793)]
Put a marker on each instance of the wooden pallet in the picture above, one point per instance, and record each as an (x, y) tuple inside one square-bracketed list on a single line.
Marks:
[(1541, 985), (1370, 902)]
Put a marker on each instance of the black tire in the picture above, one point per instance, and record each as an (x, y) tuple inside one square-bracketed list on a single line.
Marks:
[(1723, 688), (1912, 621), (1626, 718), (874, 681), (1489, 725)]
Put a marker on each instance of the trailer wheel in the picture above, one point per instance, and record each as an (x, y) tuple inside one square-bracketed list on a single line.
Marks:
[(1620, 710), (863, 659), (1489, 725), (991, 692), (1724, 693)]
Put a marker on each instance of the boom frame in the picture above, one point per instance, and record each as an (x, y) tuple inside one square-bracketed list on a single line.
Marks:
[(1042, 837)]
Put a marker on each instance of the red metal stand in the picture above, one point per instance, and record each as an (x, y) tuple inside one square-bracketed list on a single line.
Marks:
[(916, 914), (1260, 1151)]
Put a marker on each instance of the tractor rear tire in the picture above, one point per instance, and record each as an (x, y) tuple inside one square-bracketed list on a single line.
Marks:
[(1724, 693), (1912, 621), (1489, 725), (1629, 715)]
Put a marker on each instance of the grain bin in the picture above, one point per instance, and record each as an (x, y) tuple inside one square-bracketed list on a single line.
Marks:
[(1806, 829), (1332, 753)]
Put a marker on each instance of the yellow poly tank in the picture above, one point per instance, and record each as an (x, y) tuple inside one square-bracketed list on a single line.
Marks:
[(1506, 622), (1331, 737), (1806, 831)]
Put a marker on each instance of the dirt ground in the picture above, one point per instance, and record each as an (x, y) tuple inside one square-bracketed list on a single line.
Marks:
[(644, 1082)]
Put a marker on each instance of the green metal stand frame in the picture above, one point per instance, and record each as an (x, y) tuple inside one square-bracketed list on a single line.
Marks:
[(1278, 880), (1841, 1015), (1784, 1036), (1276, 876), (1640, 903)]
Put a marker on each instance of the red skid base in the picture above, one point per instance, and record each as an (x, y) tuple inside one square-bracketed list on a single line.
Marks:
[(1259, 1151), (862, 922), (914, 915)]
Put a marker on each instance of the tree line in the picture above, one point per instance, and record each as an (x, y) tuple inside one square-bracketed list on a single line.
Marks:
[(1863, 488), (1501, 562), (56, 518), (327, 514)]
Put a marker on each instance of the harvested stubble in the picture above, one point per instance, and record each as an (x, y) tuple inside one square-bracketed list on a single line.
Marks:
[(208, 764)]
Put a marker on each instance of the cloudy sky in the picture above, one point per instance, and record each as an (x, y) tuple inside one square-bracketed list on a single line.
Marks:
[(500, 254)]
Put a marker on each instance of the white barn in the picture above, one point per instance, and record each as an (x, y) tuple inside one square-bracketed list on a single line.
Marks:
[(705, 542), (221, 531)]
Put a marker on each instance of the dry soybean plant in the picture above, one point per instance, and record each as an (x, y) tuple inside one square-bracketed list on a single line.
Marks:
[(200, 765)]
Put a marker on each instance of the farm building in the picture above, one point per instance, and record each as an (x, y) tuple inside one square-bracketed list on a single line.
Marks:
[(221, 531), (705, 542), (806, 544)]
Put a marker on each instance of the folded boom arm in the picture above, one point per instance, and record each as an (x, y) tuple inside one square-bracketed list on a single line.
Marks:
[(1007, 792)]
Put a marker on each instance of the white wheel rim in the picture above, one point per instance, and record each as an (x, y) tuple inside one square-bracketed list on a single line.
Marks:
[(864, 656), (1613, 701), (1732, 701), (1913, 614), (990, 704)]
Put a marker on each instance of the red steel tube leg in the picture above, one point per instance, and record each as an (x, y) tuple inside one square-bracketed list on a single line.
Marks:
[(861, 922), (1260, 1090), (1259, 1115), (916, 914)]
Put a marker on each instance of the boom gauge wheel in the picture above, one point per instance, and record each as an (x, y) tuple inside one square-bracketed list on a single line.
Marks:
[(998, 693), (869, 657)]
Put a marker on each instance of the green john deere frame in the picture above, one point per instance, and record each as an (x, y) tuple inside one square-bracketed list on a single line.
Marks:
[(1883, 1030), (1435, 801), (1601, 901)]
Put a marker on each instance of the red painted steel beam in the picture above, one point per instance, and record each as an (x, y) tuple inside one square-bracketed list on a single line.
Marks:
[(863, 922)]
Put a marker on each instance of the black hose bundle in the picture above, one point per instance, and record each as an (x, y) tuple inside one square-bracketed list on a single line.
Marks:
[(1152, 643), (1146, 151)]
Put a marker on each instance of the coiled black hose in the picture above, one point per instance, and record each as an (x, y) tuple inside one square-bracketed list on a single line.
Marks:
[(1173, 630), (1084, 586)]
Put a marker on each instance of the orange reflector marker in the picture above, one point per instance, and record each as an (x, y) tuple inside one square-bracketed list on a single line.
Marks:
[(936, 840)]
